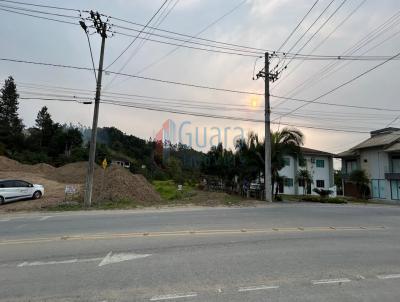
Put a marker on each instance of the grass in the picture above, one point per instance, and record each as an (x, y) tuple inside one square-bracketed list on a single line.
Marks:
[(232, 200), (121, 204), (169, 190)]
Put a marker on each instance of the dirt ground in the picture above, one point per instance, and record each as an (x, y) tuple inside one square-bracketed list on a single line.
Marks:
[(114, 183)]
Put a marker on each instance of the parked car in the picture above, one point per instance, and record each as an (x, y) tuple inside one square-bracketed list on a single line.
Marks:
[(12, 190)]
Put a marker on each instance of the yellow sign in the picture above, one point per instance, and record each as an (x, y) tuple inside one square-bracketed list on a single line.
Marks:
[(104, 164)]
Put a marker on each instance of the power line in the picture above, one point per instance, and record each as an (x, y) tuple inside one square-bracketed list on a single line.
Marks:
[(190, 38), (217, 116), (377, 32), (324, 40), (316, 32), (334, 104), (343, 84), (38, 11), (41, 5), (133, 76), (133, 41), (307, 30), (298, 25), (39, 17)]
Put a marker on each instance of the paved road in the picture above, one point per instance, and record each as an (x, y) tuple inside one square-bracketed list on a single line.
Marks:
[(273, 253)]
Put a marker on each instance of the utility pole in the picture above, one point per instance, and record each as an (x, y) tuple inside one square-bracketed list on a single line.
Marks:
[(268, 76), (101, 28)]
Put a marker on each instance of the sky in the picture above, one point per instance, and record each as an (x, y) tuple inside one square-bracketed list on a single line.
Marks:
[(263, 24)]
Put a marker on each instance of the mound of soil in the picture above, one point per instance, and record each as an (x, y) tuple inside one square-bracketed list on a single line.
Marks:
[(117, 183), (114, 183)]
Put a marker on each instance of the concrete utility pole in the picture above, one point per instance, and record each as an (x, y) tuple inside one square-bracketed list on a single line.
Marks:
[(267, 144), (266, 74), (101, 28)]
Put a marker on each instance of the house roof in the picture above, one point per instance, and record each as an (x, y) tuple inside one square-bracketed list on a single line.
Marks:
[(393, 148), (388, 139), (348, 153), (379, 140), (310, 151)]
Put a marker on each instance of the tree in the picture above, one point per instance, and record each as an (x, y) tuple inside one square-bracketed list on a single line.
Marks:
[(287, 141), (360, 178), (10, 124), (305, 177), (45, 125)]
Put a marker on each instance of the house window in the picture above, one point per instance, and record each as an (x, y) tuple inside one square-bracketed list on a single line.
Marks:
[(320, 163), (395, 188), (378, 188), (301, 183), (288, 182), (320, 183), (286, 161), (351, 165), (396, 164), (302, 162)]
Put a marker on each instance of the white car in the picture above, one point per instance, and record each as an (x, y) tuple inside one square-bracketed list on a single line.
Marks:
[(12, 190)]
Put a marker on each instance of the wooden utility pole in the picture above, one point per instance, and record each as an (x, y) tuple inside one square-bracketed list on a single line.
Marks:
[(101, 28)]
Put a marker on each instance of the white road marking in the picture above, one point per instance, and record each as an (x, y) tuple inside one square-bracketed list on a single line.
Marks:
[(394, 276), (259, 287), (45, 218), (173, 296), (5, 219), (70, 261), (219, 290), (361, 277), (110, 258), (330, 281), (115, 258)]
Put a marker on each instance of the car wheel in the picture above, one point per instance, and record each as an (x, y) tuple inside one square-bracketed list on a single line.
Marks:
[(37, 195), (1, 199)]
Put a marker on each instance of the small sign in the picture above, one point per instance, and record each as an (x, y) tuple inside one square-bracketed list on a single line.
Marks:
[(71, 189), (180, 187), (104, 164)]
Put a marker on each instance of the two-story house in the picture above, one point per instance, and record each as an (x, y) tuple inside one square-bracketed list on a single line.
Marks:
[(318, 163), (379, 157)]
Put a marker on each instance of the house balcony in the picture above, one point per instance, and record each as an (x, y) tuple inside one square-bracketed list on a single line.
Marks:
[(392, 176)]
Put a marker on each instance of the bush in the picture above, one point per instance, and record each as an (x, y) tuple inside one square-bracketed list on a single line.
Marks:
[(313, 198)]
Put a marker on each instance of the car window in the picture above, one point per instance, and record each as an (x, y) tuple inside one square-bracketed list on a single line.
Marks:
[(20, 184), (8, 184), (2, 185)]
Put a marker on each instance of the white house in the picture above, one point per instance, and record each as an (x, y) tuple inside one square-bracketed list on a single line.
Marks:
[(379, 157), (318, 163)]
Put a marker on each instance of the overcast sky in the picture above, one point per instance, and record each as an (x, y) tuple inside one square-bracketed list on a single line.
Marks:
[(258, 23)]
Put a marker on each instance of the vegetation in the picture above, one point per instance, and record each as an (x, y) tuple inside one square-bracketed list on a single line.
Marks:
[(304, 176), (162, 162), (360, 178), (169, 190)]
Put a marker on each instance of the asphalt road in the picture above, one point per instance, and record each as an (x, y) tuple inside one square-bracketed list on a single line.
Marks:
[(273, 253)]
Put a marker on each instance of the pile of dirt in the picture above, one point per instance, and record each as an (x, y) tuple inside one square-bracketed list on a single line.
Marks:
[(117, 183), (111, 184), (71, 173)]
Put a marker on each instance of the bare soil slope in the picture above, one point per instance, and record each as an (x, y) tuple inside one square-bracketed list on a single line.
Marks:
[(112, 184)]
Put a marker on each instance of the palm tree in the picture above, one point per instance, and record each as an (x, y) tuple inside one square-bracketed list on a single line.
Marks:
[(287, 141), (305, 176)]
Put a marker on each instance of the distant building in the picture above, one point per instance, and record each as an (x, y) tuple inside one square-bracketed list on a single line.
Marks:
[(318, 163), (121, 162), (379, 157)]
